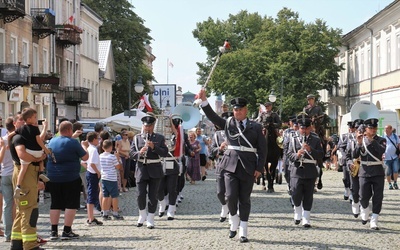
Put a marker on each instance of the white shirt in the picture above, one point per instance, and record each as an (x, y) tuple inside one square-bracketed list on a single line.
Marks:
[(7, 166), (108, 163), (93, 158), (390, 152)]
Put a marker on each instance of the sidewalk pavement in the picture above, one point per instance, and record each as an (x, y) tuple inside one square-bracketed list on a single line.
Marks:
[(271, 226)]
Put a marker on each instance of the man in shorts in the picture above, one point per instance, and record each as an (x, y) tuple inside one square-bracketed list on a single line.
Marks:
[(65, 182)]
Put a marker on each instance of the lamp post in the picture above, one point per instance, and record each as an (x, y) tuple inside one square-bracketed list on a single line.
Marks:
[(168, 107), (272, 98), (139, 87)]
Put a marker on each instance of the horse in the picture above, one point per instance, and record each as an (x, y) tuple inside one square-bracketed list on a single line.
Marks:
[(274, 152), (319, 123)]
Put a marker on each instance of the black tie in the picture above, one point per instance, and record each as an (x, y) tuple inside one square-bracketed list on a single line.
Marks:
[(241, 125)]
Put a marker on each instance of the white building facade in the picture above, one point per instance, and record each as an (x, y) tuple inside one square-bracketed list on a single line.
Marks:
[(371, 60)]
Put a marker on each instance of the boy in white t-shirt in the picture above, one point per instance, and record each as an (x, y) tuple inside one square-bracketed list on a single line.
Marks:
[(92, 176), (109, 181)]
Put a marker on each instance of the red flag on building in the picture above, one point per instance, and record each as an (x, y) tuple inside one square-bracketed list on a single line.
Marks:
[(145, 103), (71, 18)]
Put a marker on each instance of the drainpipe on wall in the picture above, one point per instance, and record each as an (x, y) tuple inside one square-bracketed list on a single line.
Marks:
[(371, 64), (348, 80)]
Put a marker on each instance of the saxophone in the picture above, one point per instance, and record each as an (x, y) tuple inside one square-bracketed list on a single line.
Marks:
[(356, 167), (357, 162)]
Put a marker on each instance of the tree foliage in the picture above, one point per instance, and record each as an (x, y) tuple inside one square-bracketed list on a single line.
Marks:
[(129, 36), (266, 52)]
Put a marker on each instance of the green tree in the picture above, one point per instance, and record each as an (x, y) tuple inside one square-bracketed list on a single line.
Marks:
[(265, 50), (129, 36)]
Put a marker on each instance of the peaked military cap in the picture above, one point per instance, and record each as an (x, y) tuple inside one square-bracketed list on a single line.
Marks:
[(358, 122), (239, 102), (304, 120), (176, 117), (148, 119), (350, 124), (310, 96), (227, 114), (371, 123)]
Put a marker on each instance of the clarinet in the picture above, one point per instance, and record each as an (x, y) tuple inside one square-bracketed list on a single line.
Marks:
[(303, 139), (146, 139)]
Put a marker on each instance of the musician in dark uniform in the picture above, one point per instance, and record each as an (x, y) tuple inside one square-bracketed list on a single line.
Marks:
[(242, 162), (315, 113), (342, 146), (167, 191), (148, 148), (354, 180), (271, 123), (181, 178), (371, 148), (287, 135), (218, 147), (303, 152)]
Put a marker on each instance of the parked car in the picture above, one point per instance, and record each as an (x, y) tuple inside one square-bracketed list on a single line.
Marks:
[(88, 126)]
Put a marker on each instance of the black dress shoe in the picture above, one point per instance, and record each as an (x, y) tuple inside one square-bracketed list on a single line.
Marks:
[(170, 218), (150, 227), (319, 185), (139, 224), (355, 215), (375, 228), (203, 178), (243, 239), (345, 197), (222, 219), (296, 222), (307, 225), (364, 222), (232, 234), (161, 214)]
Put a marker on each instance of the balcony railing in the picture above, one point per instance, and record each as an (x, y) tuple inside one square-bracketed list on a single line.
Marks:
[(44, 83), (10, 10), (13, 75), (76, 95), (68, 35), (43, 22)]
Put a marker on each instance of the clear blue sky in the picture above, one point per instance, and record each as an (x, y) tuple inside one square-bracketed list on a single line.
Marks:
[(172, 22)]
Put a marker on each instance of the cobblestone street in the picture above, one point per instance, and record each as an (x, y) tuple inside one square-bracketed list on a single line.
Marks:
[(197, 226)]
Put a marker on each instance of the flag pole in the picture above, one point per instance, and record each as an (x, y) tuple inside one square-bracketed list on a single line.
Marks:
[(167, 68)]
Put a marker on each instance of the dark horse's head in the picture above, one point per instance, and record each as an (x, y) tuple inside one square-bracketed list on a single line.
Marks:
[(267, 123)]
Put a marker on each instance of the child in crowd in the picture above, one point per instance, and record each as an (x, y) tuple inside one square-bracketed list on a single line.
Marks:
[(109, 180), (34, 144), (92, 176)]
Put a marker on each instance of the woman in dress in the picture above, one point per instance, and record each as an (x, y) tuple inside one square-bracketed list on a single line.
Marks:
[(193, 169), (124, 146)]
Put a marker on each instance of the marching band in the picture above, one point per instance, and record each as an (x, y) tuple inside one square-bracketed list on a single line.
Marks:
[(239, 151)]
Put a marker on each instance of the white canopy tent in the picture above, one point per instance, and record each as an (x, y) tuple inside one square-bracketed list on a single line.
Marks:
[(120, 121)]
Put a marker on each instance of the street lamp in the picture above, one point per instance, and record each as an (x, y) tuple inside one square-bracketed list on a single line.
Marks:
[(272, 98), (139, 87), (168, 107)]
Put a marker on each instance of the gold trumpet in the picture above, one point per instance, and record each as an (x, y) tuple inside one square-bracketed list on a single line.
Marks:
[(356, 167)]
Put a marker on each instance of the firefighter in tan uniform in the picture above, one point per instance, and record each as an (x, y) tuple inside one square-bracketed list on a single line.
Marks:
[(23, 233)]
